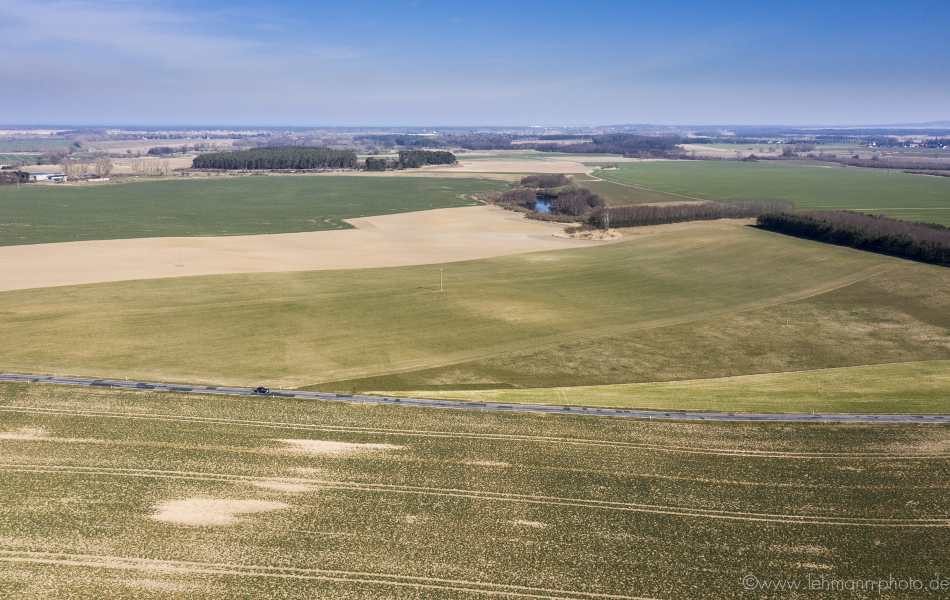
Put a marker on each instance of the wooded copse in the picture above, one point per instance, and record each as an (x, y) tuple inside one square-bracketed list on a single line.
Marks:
[(639, 215), (625, 144), (925, 242), (278, 157), (411, 159)]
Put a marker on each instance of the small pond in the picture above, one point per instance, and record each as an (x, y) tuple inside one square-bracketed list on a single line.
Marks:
[(542, 206)]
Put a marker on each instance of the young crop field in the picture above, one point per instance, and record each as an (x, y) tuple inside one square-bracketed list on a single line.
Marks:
[(693, 302), (16, 158), (37, 214), (615, 194), (35, 145), (896, 195), (120, 494), (907, 388)]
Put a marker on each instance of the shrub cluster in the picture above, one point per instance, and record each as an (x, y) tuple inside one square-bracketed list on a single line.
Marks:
[(925, 242), (410, 159), (638, 215), (545, 181), (279, 157)]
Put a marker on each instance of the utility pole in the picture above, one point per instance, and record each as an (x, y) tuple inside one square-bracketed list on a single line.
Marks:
[(440, 279), (179, 256)]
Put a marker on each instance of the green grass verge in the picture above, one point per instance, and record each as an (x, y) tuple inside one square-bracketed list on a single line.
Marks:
[(310, 327), (37, 214), (916, 387), (458, 505), (896, 195)]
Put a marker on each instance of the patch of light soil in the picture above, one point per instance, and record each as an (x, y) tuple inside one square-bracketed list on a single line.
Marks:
[(334, 448), (488, 463), (25, 433), (281, 486), (204, 511), (593, 234), (535, 524)]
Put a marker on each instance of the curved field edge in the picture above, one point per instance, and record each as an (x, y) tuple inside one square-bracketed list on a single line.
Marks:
[(904, 388), (39, 214)]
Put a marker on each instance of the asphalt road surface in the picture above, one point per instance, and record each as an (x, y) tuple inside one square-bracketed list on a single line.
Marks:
[(529, 408)]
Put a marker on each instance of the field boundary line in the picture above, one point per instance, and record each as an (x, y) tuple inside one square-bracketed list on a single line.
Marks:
[(460, 435), (176, 566), (491, 496)]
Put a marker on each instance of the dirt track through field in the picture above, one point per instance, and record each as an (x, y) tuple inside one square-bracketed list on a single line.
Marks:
[(489, 496), (416, 238)]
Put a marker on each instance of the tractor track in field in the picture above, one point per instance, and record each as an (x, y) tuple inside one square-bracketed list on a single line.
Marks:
[(488, 496)]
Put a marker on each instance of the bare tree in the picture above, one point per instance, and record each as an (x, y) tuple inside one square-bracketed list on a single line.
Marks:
[(102, 166)]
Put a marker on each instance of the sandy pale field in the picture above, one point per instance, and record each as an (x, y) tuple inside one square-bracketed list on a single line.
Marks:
[(417, 238)]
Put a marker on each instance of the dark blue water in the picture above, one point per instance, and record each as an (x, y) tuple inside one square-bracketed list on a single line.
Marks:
[(542, 206)]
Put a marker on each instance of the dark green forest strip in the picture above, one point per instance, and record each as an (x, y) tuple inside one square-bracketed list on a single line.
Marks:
[(864, 232)]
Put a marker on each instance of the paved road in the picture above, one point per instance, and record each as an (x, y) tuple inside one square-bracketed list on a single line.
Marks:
[(530, 408)]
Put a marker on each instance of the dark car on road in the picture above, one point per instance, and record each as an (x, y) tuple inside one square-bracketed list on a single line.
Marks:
[(261, 390)]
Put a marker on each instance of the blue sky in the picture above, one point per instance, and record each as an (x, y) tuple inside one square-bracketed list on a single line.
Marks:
[(427, 62)]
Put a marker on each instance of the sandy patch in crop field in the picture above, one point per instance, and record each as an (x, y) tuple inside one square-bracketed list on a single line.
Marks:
[(281, 486), (335, 448), (25, 433), (416, 238), (506, 165), (203, 511), (593, 234), (534, 524)]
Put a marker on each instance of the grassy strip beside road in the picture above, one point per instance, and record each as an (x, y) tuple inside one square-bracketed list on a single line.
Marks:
[(37, 214), (896, 195), (903, 388)]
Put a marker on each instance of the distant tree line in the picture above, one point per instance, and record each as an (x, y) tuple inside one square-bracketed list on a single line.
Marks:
[(280, 157), (625, 144), (925, 242), (639, 215), (545, 181), (412, 159)]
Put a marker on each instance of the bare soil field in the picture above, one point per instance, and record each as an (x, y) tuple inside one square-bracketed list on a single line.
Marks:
[(427, 237)]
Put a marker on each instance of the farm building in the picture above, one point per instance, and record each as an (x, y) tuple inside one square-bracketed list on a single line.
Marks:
[(48, 177)]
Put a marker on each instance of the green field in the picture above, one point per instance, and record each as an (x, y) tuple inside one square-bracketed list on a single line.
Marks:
[(907, 388), (615, 194), (15, 158), (696, 302), (35, 145), (119, 494), (896, 195), (37, 214)]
